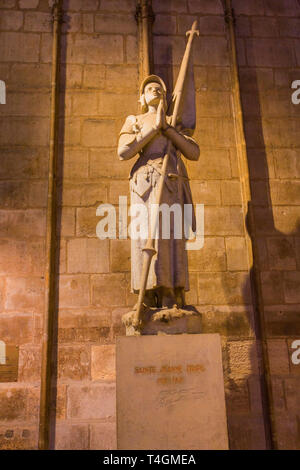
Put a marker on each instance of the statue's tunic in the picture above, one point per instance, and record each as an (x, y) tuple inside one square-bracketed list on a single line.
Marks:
[(169, 266)]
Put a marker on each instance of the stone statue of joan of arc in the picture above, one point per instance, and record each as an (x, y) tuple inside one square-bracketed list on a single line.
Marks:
[(147, 135)]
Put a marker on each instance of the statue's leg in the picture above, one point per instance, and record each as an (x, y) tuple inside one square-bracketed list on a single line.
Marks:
[(180, 297), (150, 298), (168, 297)]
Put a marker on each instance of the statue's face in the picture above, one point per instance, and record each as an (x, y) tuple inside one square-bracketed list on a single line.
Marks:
[(153, 93)]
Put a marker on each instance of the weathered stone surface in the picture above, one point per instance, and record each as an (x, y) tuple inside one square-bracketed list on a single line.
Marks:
[(210, 258), (282, 320), (13, 404), (120, 255), (83, 325), (7, 4), (237, 396), (104, 162), (29, 363), (74, 291), (164, 24), (86, 222), (87, 23), (71, 437), (243, 360), (291, 389), (236, 252), (87, 256), (17, 256), (20, 130), (94, 130), (212, 25), (122, 78), (93, 76), (115, 23), (67, 222), (206, 192), (292, 287), (170, 5), (25, 104), (272, 287), (103, 436), (223, 220), (281, 253), (103, 365), (276, 7), (16, 329), (211, 51), (95, 49), (38, 22), (168, 49), (263, 52), (19, 47), (28, 3), (73, 362), (287, 163), (252, 436), (255, 7), (114, 5), (85, 104), (155, 386), (24, 293), (109, 290), (79, 5), (231, 193), (95, 401), (11, 21), (18, 437), (131, 50), (287, 431), (213, 164), (75, 163), (224, 288), (231, 323), (213, 7), (89, 194), (278, 357)]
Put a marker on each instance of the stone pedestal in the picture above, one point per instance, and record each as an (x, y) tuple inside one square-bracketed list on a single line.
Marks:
[(170, 392)]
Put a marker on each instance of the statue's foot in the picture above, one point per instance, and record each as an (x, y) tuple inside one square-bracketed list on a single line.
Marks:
[(168, 314)]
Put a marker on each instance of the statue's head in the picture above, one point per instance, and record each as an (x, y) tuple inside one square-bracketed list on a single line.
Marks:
[(152, 90)]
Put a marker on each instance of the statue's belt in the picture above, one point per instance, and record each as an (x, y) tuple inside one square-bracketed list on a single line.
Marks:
[(146, 172), (155, 166)]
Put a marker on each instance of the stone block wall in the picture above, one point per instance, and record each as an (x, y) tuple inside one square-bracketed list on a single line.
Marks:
[(268, 39), (99, 85), (25, 67)]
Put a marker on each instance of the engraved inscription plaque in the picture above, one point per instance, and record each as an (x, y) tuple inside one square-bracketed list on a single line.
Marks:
[(9, 363), (170, 392)]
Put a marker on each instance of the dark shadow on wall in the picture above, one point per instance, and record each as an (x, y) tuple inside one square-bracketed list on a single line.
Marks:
[(272, 248), (62, 58)]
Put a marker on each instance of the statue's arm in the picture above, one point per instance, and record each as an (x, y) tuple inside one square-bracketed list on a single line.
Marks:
[(187, 146), (131, 143)]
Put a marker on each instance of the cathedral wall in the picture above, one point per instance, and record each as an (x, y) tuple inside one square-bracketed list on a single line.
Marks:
[(99, 82), (25, 67), (269, 61)]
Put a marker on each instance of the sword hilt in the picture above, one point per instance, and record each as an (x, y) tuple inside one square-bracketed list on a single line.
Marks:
[(193, 30)]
